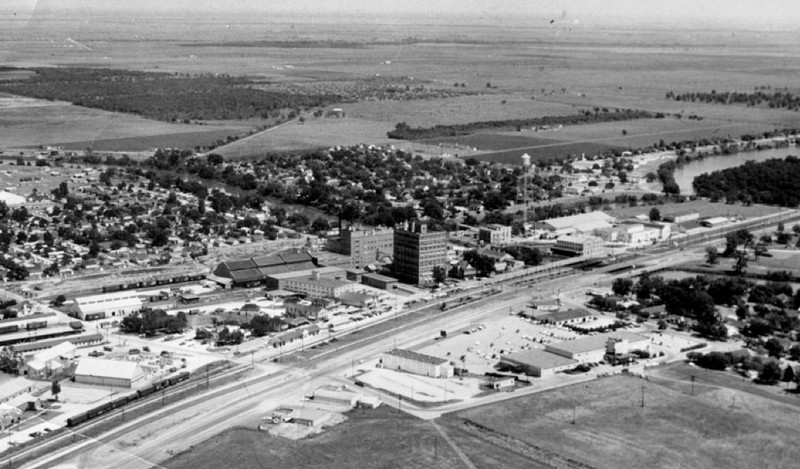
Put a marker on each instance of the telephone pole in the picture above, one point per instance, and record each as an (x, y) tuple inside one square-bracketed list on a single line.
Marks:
[(642, 395), (692, 385)]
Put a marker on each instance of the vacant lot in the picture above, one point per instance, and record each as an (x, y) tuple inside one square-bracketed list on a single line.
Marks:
[(612, 430), (703, 207), (380, 438)]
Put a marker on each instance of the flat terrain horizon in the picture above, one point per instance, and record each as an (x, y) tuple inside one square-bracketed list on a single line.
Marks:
[(503, 73)]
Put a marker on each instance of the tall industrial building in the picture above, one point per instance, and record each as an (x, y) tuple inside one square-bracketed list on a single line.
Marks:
[(366, 246), (417, 251)]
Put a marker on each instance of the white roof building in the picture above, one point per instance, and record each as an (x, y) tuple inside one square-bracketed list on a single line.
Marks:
[(11, 199), (103, 372), (108, 305), (581, 223)]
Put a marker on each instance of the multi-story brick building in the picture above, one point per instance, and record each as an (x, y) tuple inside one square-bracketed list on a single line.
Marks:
[(417, 251)]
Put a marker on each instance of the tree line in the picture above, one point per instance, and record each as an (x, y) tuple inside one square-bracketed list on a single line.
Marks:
[(772, 99), (162, 96), (772, 182), (403, 131)]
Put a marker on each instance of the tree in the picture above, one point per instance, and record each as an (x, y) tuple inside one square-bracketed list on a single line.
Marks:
[(439, 274), (55, 388), (741, 262), (655, 214), (622, 286), (774, 347), (788, 374), (712, 255), (60, 299), (484, 265), (770, 373)]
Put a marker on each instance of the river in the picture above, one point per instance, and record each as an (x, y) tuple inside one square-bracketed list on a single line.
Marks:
[(685, 175)]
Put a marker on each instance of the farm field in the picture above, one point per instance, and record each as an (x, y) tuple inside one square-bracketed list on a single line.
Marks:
[(613, 430), (533, 71), (312, 134), (33, 122), (380, 438), (487, 106)]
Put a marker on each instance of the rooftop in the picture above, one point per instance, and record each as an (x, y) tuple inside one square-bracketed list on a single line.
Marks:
[(558, 316), (590, 343), (408, 354), (107, 368), (539, 358)]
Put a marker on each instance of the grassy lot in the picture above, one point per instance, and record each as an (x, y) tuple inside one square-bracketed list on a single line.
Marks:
[(703, 207), (380, 438), (678, 375), (314, 133), (613, 430)]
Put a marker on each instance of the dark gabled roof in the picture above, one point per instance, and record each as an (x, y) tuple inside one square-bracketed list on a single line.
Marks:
[(267, 261), (275, 269), (247, 275), (240, 265), (295, 257)]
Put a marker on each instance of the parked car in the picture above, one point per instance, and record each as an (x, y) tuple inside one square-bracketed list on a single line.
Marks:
[(96, 353)]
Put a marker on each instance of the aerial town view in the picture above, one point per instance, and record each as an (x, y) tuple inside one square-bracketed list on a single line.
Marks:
[(399, 234)]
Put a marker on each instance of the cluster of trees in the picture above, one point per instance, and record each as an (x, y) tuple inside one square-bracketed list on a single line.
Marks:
[(769, 369), (152, 321), (774, 99), (690, 297), (403, 131), (772, 182), (162, 96)]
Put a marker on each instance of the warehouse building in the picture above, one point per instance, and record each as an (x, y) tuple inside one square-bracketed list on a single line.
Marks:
[(538, 362), (379, 281), (309, 417), (107, 305), (366, 246), (594, 348), (563, 318), (254, 271), (581, 223), (417, 363), (317, 286), (337, 397), (573, 246), (116, 373), (497, 235)]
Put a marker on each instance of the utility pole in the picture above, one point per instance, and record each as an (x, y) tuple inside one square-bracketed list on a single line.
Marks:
[(642, 395), (692, 385), (574, 412)]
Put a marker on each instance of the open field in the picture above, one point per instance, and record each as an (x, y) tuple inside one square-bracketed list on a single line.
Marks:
[(312, 134), (459, 110), (33, 122), (703, 207), (380, 438), (535, 69), (613, 430)]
